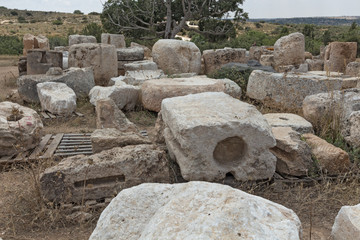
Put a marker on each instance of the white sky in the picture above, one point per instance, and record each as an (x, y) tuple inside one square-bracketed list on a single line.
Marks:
[(255, 8)]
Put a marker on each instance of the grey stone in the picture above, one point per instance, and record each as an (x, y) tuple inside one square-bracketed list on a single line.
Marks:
[(215, 59), (347, 223), (141, 65), (130, 54), (297, 123), (78, 39), (118, 40)]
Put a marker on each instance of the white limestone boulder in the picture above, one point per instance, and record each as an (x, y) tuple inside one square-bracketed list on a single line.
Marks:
[(118, 40), (154, 91), (191, 211), (289, 50), (125, 96), (347, 223), (338, 55), (176, 56), (137, 78), (212, 134), (20, 128), (57, 98), (101, 57), (296, 122)]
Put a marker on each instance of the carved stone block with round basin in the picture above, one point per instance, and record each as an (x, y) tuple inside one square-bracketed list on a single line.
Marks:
[(212, 134)]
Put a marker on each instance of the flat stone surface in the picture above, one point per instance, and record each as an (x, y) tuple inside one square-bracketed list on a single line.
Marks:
[(130, 54), (347, 223), (191, 211), (212, 134), (138, 77), (214, 59), (141, 65), (104, 174), (118, 40), (154, 91), (77, 39), (296, 122)]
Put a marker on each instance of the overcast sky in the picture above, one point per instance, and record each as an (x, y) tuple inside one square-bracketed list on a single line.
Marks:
[(255, 8)]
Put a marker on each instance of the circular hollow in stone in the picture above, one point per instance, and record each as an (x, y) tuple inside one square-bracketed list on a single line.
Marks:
[(230, 151)]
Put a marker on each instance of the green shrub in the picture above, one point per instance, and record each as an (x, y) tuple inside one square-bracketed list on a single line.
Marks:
[(21, 20), (93, 29), (55, 41), (57, 22), (11, 45), (14, 13), (78, 12)]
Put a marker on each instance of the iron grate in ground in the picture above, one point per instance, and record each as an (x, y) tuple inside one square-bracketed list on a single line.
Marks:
[(74, 144)]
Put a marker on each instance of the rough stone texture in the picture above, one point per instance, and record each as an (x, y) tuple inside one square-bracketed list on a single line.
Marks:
[(267, 60), (347, 223), (338, 55), (20, 128), (147, 51), (315, 64), (297, 123), (78, 39), (353, 69), (287, 91), (108, 138), (214, 59), (293, 155), (118, 40), (212, 134), (154, 91), (231, 88), (141, 65), (246, 67), (120, 80), (54, 71), (191, 211), (176, 56), (330, 159), (352, 134), (35, 42), (22, 65), (308, 55), (39, 61), (289, 50), (101, 57), (255, 52), (104, 174), (130, 54), (80, 80), (137, 78), (108, 115), (125, 96), (56, 98)]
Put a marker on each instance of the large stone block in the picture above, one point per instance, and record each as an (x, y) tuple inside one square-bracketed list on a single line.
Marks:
[(39, 61), (57, 98), (296, 122), (105, 174), (194, 210), (289, 50), (212, 134), (20, 128), (108, 138), (118, 40), (287, 91), (338, 55), (101, 57), (154, 91), (141, 65), (147, 51), (130, 54), (125, 96), (353, 69), (35, 42), (176, 56), (214, 59), (315, 64), (347, 223), (137, 78), (78, 39)]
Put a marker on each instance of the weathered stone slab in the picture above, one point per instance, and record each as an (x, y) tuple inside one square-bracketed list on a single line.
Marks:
[(147, 51), (118, 40), (347, 223), (141, 65), (142, 212), (154, 91), (353, 69), (176, 56), (213, 134), (104, 174), (35, 42), (39, 61), (137, 78), (315, 64), (56, 98), (130, 54), (214, 59), (293, 155), (101, 57), (78, 39), (20, 128), (296, 122), (338, 55)]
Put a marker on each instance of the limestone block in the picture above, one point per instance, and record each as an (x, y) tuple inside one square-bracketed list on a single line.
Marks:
[(39, 61), (118, 40), (267, 60), (293, 155), (331, 159), (137, 78), (352, 134), (213, 134), (154, 91), (141, 65), (57, 98), (143, 212), (176, 56), (347, 223), (105, 174), (130, 54), (296, 122), (20, 128), (147, 51), (353, 69), (214, 59), (315, 64), (78, 39), (338, 55), (101, 57)]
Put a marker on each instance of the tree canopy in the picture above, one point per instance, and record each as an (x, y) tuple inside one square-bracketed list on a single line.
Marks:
[(166, 18)]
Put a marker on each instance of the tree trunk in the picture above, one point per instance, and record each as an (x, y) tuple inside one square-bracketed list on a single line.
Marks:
[(167, 34)]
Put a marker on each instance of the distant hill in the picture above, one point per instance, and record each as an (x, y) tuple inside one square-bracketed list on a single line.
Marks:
[(332, 21)]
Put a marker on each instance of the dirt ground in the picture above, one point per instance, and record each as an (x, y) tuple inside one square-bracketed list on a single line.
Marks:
[(23, 214)]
